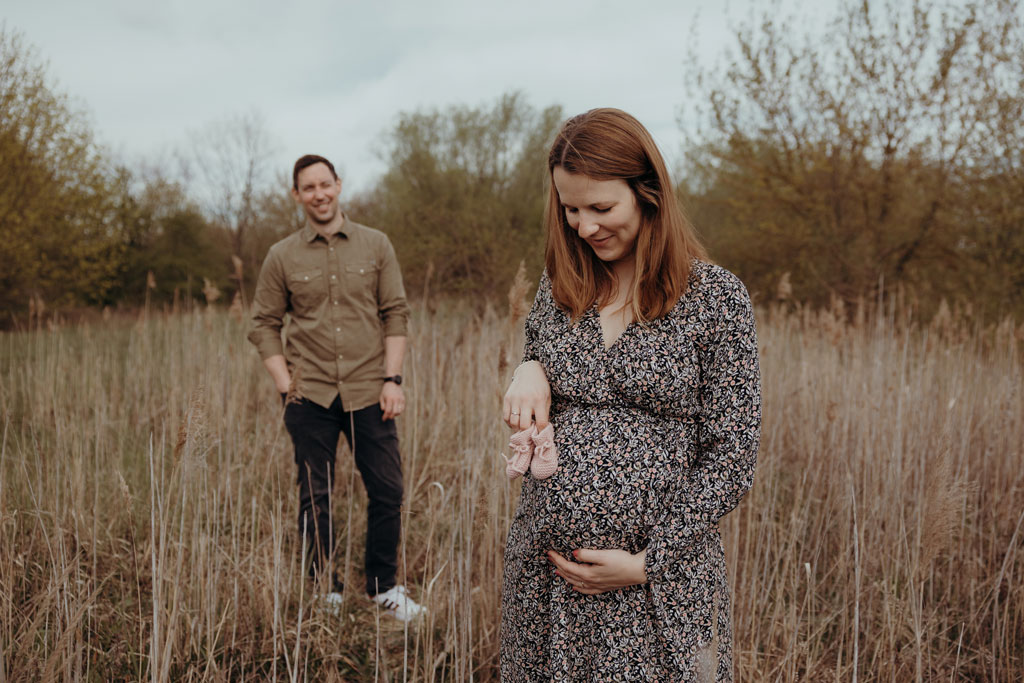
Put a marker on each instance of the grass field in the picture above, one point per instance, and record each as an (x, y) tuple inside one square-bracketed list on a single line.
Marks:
[(147, 506)]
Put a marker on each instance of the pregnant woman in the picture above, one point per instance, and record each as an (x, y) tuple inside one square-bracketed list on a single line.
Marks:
[(643, 358)]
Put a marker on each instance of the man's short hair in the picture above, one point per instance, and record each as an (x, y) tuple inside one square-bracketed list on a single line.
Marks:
[(308, 160)]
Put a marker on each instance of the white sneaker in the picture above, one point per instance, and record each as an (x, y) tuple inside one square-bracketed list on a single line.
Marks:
[(330, 603), (398, 603)]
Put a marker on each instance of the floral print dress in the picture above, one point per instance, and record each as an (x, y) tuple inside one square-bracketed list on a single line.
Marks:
[(657, 438)]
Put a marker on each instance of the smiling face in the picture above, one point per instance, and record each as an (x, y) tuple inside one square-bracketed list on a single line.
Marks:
[(604, 213), (317, 191)]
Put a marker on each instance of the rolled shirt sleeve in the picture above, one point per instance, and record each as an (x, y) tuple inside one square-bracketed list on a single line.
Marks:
[(268, 308), (393, 307)]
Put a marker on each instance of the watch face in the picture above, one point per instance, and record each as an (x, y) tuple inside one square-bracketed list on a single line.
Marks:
[(397, 379)]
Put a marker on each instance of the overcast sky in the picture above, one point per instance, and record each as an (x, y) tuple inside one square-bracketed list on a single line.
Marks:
[(330, 76)]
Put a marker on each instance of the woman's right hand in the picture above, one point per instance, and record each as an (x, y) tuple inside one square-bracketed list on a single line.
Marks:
[(528, 398)]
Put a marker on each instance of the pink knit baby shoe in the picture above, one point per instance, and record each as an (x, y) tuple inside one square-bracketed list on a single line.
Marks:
[(522, 450), (545, 455)]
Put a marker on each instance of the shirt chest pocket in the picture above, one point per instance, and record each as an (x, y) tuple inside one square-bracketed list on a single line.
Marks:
[(361, 279), (307, 288)]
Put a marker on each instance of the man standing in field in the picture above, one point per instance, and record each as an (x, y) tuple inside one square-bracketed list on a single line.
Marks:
[(339, 369)]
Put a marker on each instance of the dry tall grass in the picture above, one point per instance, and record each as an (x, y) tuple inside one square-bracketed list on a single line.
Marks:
[(147, 508)]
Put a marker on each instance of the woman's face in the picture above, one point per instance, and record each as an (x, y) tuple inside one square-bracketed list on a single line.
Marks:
[(604, 213)]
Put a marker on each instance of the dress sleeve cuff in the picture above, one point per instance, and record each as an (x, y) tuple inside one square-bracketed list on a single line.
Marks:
[(655, 562)]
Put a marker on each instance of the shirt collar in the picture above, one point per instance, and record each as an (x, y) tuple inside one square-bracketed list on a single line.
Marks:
[(309, 233)]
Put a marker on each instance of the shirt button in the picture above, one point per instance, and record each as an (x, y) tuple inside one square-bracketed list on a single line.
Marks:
[(337, 329), (334, 277), (335, 303), (340, 356), (331, 249)]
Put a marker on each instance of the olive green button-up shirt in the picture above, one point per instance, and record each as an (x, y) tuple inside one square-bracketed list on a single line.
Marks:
[(343, 294)]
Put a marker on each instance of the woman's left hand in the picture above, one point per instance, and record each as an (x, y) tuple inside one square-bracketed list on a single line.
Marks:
[(598, 571)]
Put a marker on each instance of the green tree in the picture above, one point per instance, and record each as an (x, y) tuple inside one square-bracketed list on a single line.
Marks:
[(56, 241), (991, 205), (865, 154), (463, 196), (167, 236)]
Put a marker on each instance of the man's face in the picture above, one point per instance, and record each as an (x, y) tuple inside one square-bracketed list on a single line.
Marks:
[(318, 192)]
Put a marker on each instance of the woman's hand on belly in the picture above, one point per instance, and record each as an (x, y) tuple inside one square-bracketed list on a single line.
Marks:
[(599, 571)]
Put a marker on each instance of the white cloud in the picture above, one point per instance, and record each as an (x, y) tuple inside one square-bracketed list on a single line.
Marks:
[(331, 76)]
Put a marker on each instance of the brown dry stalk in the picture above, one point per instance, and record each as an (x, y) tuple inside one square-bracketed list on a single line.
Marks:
[(192, 425), (237, 309), (882, 534), (210, 291), (517, 310)]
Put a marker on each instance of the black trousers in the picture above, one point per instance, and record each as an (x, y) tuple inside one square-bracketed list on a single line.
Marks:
[(374, 443)]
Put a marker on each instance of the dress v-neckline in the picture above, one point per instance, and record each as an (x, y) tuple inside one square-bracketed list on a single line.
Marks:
[(605, 346)]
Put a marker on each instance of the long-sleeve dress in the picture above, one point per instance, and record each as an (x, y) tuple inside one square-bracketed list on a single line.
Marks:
[(657, 438)]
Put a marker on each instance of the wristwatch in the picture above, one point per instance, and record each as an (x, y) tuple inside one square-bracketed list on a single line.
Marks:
[(397, 379)]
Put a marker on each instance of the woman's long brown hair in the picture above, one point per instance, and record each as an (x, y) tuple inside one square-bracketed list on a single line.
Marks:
[(609, 144)]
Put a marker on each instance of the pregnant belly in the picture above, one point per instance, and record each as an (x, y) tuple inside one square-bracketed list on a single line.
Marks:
[(615, 470)]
